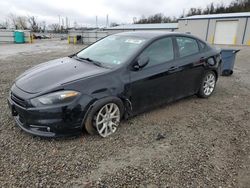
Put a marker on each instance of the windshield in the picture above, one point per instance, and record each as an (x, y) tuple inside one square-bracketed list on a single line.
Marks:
[(113, 50)]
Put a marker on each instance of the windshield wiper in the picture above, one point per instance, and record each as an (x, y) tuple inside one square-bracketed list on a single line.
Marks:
[(97, 63)]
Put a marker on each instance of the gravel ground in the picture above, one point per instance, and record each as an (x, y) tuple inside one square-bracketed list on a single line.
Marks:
[(190, 143)]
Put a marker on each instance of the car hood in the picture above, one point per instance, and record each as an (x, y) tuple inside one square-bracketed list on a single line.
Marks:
[(55, 73)]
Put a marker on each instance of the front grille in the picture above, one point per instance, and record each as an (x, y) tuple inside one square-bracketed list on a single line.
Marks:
[(21, 119), (18, 100)]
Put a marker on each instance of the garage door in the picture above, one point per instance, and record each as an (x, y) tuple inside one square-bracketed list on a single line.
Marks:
[(225, 32)]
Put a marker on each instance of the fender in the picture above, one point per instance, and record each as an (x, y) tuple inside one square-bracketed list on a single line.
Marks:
[(98, 103)]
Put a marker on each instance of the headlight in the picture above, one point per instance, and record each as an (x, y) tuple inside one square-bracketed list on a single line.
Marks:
[(55, 98)]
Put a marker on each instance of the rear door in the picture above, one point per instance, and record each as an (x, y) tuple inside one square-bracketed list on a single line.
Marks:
[(189, 66), (154, 84)]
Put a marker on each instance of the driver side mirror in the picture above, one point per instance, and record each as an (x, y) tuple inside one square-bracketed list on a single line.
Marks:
[(140, 63)]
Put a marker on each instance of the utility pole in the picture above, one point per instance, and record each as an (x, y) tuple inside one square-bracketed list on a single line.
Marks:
[(62, 22), (107, 20), (67, 23), (134, 20), (96, 22), (59, 23), (59, 20)]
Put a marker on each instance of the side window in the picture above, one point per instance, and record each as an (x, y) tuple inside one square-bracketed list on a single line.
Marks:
[(159, 51), (202, 45), (187, 46)]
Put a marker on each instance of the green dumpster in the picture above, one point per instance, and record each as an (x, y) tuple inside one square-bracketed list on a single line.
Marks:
[(19, 37)]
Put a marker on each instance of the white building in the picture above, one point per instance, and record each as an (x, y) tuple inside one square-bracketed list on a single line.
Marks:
[(231, 28)]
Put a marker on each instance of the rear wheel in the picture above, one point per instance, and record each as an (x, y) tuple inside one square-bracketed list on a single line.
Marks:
[(207, 85), (104, 118)]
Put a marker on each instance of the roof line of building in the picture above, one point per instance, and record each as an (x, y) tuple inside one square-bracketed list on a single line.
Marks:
[(213, 18), (145, 26), (217, 16)]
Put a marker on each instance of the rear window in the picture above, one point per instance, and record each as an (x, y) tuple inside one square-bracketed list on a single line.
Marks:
[(187, 46), (202, 45)]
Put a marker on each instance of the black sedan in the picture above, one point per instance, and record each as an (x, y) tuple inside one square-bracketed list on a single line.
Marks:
[(117, 77)]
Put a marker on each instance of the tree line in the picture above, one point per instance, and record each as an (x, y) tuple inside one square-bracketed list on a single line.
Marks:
[(31, 23), (234, 6)]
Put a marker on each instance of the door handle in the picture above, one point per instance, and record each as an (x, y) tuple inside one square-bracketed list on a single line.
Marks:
[(202, 59)]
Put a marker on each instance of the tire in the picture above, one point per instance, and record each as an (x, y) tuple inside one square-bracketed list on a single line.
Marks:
[(90, 123), (227, 72), (208, 84)]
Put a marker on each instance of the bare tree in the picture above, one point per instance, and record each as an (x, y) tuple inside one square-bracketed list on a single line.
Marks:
[(33, 23), (22, 22), (5, 24), (234, 6), (134, 20), (55, 27), (13, 20), (156, 18), (18, 22), (43, 26)]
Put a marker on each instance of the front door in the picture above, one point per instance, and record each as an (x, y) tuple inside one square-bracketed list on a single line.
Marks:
[(154, 83)]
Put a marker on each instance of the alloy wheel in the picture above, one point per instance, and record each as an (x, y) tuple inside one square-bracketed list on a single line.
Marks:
[(209, 84), (107, 119)]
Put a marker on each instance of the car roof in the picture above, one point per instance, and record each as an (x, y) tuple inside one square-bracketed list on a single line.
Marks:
[(152, 34)]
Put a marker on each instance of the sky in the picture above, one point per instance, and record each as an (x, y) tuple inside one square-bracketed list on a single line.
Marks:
[(84, 12)]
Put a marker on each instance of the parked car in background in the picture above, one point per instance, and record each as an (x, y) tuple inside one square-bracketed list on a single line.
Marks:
[(45, 37), (119, 76), (37, 36), (63, 37)]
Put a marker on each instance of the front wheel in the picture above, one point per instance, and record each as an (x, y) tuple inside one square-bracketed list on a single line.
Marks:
[(207, 85), (107, 119), (104, 118)]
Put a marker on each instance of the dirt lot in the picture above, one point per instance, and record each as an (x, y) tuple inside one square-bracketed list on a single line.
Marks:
[(206, 141)]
